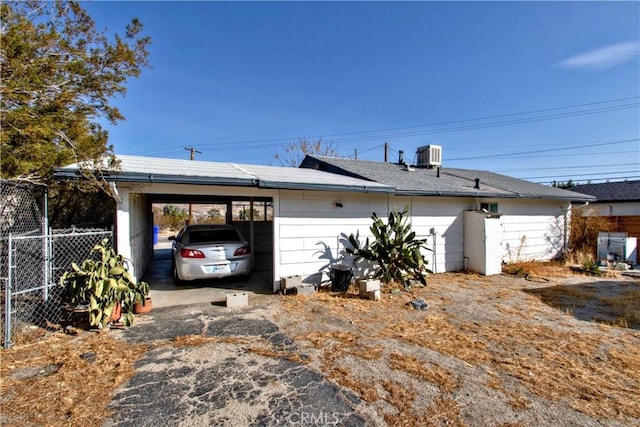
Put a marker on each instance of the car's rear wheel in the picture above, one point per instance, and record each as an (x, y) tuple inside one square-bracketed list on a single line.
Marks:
[(176, 278)]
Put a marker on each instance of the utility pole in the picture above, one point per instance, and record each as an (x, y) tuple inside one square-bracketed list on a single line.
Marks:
[(355, 153), (386, 152), (193, 157), (193, 152)]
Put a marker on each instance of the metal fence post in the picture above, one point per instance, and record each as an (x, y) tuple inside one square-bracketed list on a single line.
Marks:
[(7, 301)]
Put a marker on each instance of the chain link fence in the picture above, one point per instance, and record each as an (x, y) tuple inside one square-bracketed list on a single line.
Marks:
[(32, 261)]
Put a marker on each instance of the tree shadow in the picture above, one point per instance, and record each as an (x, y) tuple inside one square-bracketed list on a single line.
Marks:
[(610, 302)]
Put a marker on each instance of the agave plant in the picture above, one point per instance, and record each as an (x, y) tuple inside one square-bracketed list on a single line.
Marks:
[(395, 248), (101, 282)]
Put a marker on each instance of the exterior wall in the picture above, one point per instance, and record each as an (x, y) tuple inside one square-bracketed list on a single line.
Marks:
[(141, 232), (134, 230), (445, 216), (532, 230), (310, 229), (313, 230)]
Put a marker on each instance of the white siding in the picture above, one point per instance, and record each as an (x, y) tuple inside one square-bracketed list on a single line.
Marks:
[(532, 230), (445, 215), (312, 228), (141, 232)]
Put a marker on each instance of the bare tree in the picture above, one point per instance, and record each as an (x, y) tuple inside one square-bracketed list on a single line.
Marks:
[(295, 152)]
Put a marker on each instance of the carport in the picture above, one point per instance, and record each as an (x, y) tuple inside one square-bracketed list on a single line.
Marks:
[(140, 182), (257, 230)]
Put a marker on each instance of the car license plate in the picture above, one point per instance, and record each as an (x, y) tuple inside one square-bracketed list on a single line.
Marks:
[(220, 268)]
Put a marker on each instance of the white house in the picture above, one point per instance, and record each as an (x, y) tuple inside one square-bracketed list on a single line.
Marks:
[(317, 205)]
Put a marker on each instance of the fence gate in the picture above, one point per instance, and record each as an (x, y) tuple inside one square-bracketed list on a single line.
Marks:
[(32, 296), (32, 259)]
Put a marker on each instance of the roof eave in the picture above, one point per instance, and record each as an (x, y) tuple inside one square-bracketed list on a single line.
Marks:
[(326, 187), (161, 179), (491, 195), (237, 182)]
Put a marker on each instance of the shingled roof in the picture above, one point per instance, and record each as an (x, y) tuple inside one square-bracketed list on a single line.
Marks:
[(626, 191), (410, 180)]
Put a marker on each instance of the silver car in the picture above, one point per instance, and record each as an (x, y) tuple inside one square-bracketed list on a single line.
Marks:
[(207, 251)]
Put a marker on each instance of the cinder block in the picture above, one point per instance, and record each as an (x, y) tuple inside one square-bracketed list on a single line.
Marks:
[(237, 300), (290, 282), (369, 285), (306, 290), (373, 295)]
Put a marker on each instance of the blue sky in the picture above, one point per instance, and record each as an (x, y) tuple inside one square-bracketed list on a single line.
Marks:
[(541, 90)]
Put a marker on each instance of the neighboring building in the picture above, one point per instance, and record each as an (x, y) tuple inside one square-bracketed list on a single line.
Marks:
[(618, 201), (317, 205)]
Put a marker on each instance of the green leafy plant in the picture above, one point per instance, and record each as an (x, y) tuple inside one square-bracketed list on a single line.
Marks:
[(591, 267), (395, 249), (101, 282)]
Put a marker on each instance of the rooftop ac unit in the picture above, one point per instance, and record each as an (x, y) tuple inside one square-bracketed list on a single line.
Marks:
[(429, 156)]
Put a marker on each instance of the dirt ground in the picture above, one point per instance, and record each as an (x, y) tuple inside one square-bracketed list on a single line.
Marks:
[(544, 347), (550, 349)]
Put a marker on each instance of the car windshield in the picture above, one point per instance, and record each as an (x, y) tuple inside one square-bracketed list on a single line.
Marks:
[(204, 236)]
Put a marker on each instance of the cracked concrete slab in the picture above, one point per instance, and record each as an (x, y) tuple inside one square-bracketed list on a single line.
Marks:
[(221, 382)]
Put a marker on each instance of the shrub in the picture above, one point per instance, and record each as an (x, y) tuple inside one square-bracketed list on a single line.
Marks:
[(395, 248)]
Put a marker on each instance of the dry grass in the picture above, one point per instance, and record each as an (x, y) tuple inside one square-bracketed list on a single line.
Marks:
[(383, 349), (538, 269), (399, 396), (437, 333), (515, 400), (593, 370), (198, 340), (64, 379), (366, 390), (437, 375), (252, 344), (444, 411)]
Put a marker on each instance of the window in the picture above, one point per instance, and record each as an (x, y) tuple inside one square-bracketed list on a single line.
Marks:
[(262, 211), (211, 236), (489, 207)]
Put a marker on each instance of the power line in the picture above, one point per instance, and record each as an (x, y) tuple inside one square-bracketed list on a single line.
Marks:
[(492, 156), (568, 114), (233, 145), (574, 175), (488, 117), (569, 167), (388, 136), (608, 179), (486, 125)]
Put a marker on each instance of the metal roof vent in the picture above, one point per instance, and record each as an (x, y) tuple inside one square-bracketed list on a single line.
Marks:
[(429, 156)]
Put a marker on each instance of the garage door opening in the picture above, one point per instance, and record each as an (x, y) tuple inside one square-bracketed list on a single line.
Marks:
[(252, 217)]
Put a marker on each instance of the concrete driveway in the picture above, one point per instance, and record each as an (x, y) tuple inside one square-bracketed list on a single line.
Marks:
[(223, 380), (166, 294), (238, 374)]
